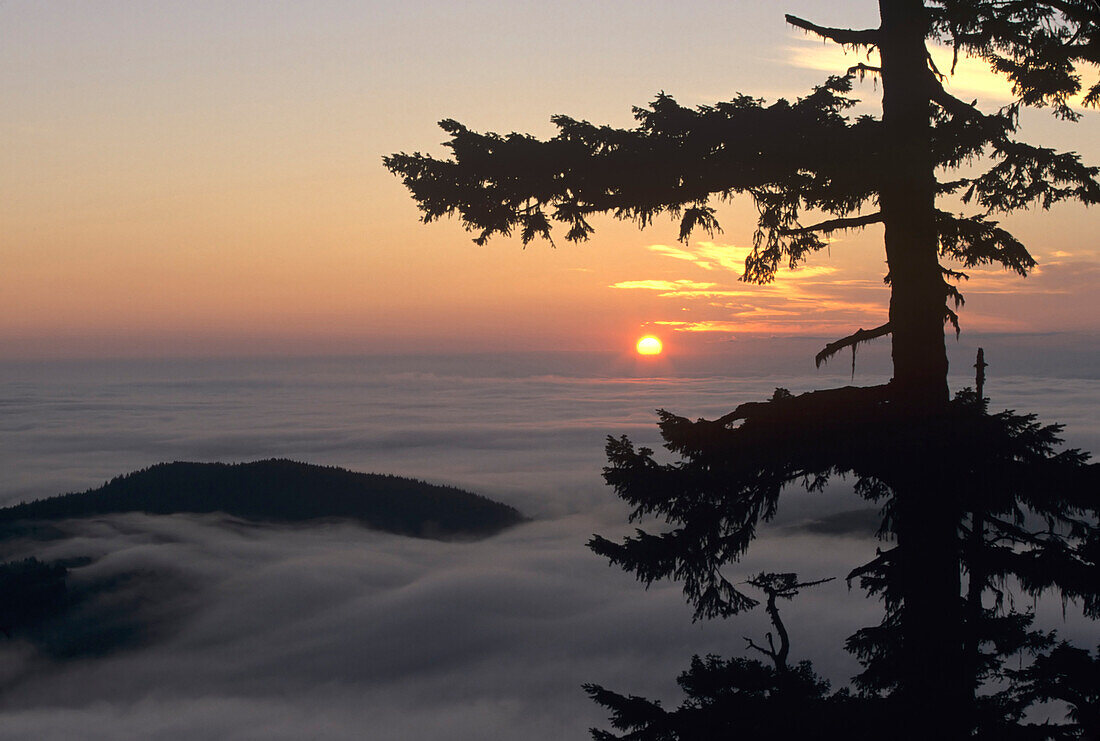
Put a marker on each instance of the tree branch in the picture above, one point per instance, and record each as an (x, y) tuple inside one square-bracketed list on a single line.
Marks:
[(878, 562), (935, 70), (953, 105), (860, 335), (1068, 10), (844, 36), (1003, 123), (833, 224), (804, 584), (761, 649), (953, 318), (780, 656), (862, 70), (813, 405)]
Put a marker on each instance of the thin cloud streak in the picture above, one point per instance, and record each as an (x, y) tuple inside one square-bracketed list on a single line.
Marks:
[(672, 287), (970, 78), (707, 255), (836, 299), (791, 303)]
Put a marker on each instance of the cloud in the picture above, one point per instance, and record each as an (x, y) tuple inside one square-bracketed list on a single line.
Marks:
[(707, 325), (707, 294), (968, 78), (807, 272), (808, 299), (672, 286), (399, 638), (388, 634), (1052, 276), (707, 255), (855, 522), (683, 289), (337, 632), (681, 254), (971, 77)]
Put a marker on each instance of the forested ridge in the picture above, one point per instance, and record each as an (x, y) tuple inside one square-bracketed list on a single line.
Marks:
[(282, 490)]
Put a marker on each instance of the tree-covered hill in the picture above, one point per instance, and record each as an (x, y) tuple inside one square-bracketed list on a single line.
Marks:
[(282, 491)]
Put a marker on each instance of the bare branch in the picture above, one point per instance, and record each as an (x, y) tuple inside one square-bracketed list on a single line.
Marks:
[(816, 405), (832, 225), (954, 294), (881, 560), (844, 36), (953, 318), (804, 584), (863, 70), (859, 336), (953, 105), (965, 110), (761, 649), (935, 70)]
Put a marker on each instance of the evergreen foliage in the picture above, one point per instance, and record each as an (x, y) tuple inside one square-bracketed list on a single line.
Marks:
[(281, 490), (745, 698), (790, 157), (1039, 504), (741, 698), (1069, 675)]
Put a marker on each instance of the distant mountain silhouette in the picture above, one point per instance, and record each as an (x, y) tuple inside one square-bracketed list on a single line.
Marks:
[(858, 522), (280, 491)]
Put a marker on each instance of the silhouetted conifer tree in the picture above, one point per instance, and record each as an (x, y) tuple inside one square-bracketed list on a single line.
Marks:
[(746, 698), (906, 442), (776, 587), (1068, 675), (1028, 523)]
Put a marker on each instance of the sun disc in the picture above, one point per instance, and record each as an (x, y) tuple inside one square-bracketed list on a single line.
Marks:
[(649, 345)]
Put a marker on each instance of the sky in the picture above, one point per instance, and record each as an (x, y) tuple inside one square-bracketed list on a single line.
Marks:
[(205, 178)]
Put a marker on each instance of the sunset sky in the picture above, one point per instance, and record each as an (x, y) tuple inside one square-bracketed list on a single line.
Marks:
[(205, 178)]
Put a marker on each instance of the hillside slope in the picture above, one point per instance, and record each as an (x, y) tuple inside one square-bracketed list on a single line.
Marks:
[(283, 491)]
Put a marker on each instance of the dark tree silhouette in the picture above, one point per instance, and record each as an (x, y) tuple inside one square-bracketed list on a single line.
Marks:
[(1028, 517), (1068, 675), (906, 169), (1038, 507), (734, 698), (778, 586), (277, 490), (745, 698)]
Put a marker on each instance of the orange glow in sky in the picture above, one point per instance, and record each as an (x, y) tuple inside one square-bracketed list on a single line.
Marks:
[(227, 193)]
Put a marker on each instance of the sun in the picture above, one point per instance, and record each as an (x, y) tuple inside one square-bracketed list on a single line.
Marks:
[(649, 345)]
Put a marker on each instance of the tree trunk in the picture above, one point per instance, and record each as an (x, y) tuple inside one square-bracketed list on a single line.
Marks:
[(908, 193), (933, 685), (977, 580)]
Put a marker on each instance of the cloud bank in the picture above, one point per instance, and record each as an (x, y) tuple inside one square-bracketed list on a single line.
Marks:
[(208, 627)]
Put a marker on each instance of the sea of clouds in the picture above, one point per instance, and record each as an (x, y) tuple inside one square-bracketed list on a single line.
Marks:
[(210, 627)]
